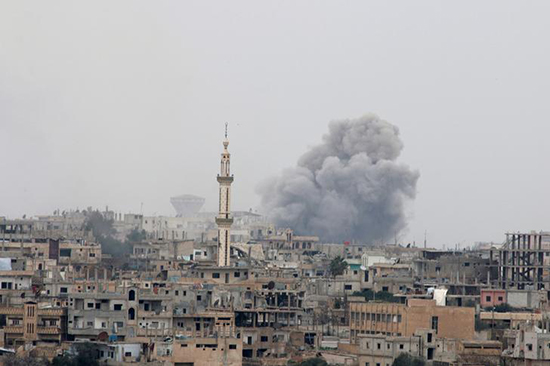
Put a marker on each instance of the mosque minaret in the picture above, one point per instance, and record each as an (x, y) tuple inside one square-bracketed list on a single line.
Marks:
[(224, 220)]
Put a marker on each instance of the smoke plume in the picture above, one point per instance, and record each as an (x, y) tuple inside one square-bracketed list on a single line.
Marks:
[(349, 187)]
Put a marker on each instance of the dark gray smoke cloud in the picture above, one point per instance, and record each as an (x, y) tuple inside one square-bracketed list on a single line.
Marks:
[(348, 187)]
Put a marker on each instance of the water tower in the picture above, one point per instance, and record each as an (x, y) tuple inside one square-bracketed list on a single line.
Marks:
[(187, 205)]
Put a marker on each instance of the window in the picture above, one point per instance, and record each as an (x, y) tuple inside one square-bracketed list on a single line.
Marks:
[(215, 275), (435, 323), (118, 307), (64, 252), (63, 290), (347, 287), (127, 354), (264, 339), (90, 305), (199, 297), (500, 298), (232, 346), (177, 293), (378, 345), (237, 274), (529, 346), (487, 298), (401, 346)]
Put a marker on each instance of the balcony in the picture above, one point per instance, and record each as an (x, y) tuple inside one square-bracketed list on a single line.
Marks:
[(145, 332), (51, 312), (11, 329), (11, 311), (154, 314), (49, 330), (98, 313), (91, 331)]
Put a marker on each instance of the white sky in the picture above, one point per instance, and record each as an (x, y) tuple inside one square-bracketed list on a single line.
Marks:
[(118, 103)]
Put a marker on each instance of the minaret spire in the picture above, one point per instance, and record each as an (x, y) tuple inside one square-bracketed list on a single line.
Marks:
[(224, 220)]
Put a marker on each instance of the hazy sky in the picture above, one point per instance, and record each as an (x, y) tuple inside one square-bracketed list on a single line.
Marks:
[(122, 102)]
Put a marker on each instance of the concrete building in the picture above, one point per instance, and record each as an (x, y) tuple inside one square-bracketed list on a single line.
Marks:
[(31, 324), (405, 320), (490, 297), (528, 347), (381, 350), (522, 262)]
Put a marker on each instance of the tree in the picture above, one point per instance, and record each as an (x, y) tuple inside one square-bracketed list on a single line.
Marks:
[(337, 266), (99, 225), (136, 236), (382, 296), (405, 359), (313, 362), (104, 232), (85, 356), (13, 360)]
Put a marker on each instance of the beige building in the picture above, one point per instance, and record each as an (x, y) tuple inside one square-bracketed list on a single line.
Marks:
[(207, 338), (405, 320), (380, 350), (30, 324)]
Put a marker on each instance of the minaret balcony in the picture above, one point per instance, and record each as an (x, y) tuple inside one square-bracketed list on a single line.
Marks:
[(222, 221), (225, 179)]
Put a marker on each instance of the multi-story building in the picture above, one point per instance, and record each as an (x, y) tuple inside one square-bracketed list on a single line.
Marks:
[(30, 323), (381, 350), (406, 319)]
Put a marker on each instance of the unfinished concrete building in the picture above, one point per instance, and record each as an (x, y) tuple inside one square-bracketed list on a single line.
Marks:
[(521, 262)]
